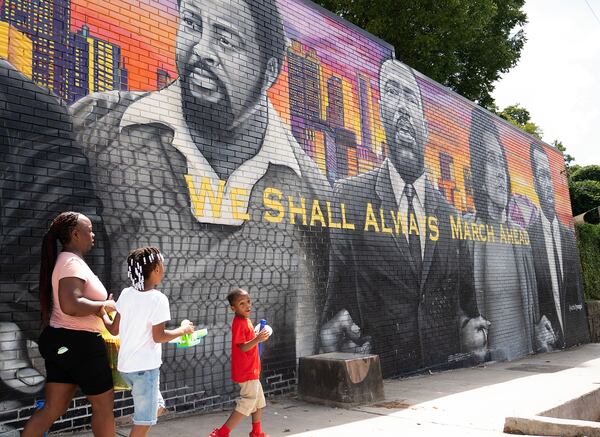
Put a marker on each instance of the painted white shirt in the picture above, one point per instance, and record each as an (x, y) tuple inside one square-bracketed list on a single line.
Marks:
[(277, 148), (549, 229), (418, 201)]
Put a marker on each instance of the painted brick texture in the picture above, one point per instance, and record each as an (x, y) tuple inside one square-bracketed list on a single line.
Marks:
[(272, 146)]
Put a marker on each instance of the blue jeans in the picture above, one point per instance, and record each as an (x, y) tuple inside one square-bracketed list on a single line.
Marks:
[(146, 395)]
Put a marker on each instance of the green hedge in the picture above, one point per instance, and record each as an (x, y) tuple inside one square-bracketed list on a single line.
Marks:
[(588, 240)]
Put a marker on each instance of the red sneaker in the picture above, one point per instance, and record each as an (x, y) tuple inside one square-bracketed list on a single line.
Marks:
[(262, 434), (215, 433)]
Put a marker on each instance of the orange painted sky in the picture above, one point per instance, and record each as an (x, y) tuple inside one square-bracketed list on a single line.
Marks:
[(517, 145), (145, 31), (449, 122)]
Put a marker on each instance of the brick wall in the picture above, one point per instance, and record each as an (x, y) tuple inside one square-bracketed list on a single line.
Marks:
[(272, 153)]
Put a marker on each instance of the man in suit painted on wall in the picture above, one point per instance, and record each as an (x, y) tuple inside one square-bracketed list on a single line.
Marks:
[(406, 296), (187, 168), (557, 268)]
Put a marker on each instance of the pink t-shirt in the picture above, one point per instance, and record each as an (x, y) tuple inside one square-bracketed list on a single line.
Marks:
[(69, 265)]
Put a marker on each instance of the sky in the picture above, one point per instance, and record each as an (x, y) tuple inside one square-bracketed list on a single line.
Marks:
[(557, 78)]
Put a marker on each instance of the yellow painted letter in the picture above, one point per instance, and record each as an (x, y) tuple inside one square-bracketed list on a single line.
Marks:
[(332, 224), (456, 228), (198, 200), (316, 215), (237, 203), (434, 230), (345, 224), (297, 210), (272, 200), (370, 219)]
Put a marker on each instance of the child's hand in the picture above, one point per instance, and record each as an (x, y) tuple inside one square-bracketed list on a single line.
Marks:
[(110, 305), (187, 327), (263, 336)]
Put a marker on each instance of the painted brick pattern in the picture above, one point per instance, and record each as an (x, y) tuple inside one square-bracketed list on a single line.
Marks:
[(271, 145)]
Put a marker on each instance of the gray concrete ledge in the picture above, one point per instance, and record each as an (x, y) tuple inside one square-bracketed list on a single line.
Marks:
[(551, 426), (577, 417)]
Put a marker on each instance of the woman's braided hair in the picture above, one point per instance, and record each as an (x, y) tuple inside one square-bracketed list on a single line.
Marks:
[(60, 229), (140, 263)]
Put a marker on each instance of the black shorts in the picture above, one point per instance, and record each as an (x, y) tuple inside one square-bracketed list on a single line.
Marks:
[(76, 357)]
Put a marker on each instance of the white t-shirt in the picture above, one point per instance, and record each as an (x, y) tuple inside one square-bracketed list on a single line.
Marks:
[(140, 310)]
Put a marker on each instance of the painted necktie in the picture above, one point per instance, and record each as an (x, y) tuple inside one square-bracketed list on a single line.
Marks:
[(414, 240), (556, 261)]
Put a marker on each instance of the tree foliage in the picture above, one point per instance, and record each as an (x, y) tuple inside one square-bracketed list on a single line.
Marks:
[(589, 172), (521, 118), (463, 44), (584, 182), (568, 158)]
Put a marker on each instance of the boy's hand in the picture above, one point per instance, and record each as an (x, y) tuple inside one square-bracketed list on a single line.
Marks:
[(263, 336)]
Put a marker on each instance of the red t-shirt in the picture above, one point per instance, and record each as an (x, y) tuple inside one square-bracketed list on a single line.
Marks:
[(245, 366)]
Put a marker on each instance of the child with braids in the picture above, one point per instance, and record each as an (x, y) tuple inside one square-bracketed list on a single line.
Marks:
[(142, 312)]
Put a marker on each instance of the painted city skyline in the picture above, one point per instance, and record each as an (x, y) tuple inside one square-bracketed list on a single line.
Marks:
[(327, 91), (71, 62), (331, 105)]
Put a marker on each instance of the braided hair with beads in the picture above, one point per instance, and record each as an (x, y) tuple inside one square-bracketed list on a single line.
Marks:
[(140, 264)]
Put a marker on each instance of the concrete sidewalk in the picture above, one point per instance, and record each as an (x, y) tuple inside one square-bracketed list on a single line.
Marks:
[(465, 402)]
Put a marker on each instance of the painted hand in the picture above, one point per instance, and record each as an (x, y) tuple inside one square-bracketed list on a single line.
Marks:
[(473, 336), (18, 371), (544, 337), (341, 334)]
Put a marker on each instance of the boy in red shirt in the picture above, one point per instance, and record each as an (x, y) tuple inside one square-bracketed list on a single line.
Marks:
[(245, 366)]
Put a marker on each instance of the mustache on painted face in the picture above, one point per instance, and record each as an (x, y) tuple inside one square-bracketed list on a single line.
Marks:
[(405, 131), (202, 78)]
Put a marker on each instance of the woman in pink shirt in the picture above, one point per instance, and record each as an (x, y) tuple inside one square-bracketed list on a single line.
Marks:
[(71, 299)]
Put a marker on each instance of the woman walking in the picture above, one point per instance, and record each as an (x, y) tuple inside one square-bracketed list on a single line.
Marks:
[(71, 299)]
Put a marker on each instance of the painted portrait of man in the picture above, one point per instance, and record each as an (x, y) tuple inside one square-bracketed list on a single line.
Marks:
[(204, 169), (557, 269), (401, 259)]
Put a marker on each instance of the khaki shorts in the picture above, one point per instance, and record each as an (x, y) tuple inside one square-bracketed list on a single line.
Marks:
[(252, 397)]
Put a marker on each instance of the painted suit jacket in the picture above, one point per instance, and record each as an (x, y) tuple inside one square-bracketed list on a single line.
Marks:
[(573, 312), (413, 319)]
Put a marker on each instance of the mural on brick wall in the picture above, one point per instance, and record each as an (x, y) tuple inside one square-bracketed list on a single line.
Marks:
[(269, 145)]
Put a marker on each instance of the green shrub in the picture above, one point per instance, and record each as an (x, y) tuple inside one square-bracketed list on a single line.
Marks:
[(588, 241)]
